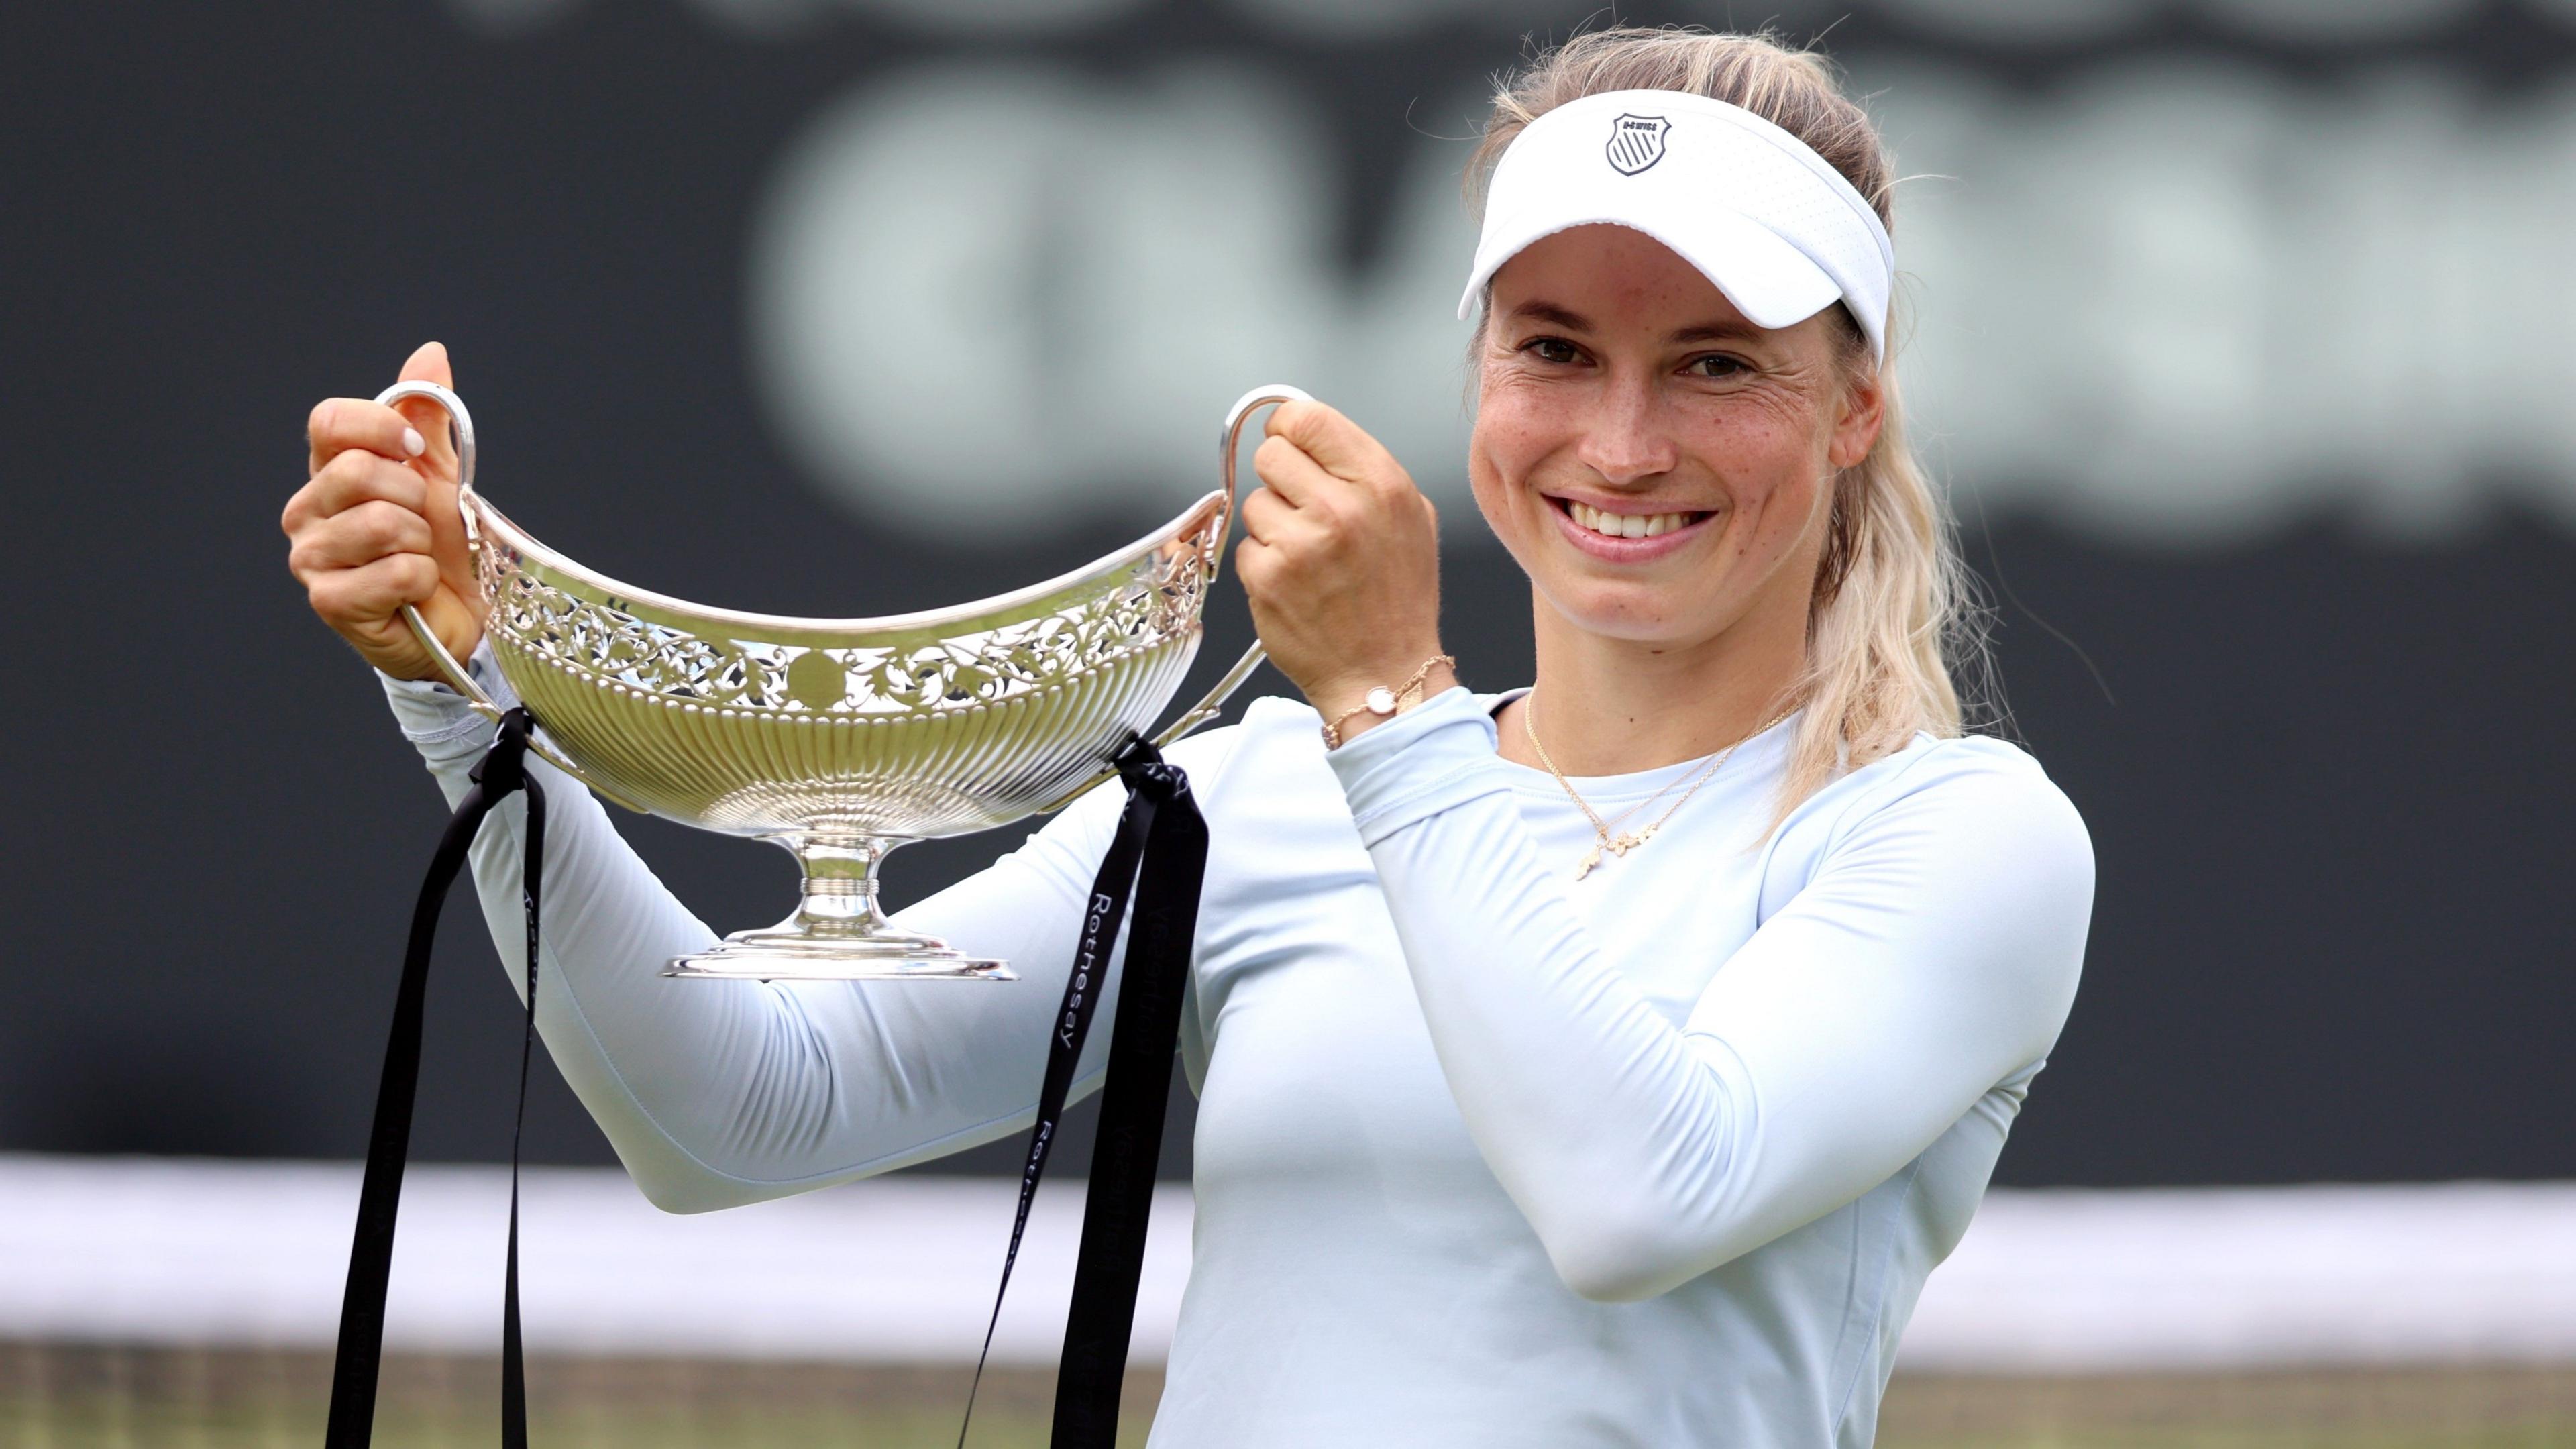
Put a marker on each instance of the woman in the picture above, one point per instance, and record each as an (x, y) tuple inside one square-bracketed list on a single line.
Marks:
[(1601, 1063)]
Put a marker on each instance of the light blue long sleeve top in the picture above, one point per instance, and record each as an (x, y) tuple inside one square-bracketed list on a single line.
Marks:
[(1485, 1156)]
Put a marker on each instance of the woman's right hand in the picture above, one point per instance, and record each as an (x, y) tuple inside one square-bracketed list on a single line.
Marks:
[(376, 527)]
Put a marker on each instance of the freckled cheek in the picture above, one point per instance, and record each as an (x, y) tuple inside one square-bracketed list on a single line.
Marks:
[(1764, 464), (1503, 456), (1741, 438)]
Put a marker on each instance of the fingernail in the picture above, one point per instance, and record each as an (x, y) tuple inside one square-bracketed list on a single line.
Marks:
[(412, 443)]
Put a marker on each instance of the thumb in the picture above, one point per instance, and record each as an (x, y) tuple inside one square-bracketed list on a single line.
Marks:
[(1339, 446), (428, 363)]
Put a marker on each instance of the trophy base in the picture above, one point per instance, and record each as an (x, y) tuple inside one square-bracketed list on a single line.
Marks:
[(838, 934), (793, 956)]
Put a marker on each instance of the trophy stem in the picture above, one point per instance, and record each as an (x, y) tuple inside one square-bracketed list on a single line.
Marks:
[(840, 883), (839, 932)]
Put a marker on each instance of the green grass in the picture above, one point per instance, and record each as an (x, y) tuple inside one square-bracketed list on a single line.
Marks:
[(2462, 1408), (91, 1397), (94, 1397)]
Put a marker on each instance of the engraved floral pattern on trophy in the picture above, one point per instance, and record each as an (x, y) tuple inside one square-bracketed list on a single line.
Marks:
[(1160, 600)]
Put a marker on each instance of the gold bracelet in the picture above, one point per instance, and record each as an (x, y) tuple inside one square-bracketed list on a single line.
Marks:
[(1382, 701)]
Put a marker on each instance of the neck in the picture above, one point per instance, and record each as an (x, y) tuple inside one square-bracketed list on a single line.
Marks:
[(1616, 706)]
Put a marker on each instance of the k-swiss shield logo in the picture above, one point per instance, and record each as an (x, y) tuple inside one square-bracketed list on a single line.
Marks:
[(1636, 142)]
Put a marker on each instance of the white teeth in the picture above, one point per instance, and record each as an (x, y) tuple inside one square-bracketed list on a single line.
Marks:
[(1625, 525)]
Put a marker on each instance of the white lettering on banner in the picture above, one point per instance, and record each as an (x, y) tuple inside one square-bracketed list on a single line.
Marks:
[(1095, 923), (2167, 303)]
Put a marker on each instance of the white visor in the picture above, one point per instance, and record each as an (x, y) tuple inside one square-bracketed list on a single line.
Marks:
[(1762, 216)]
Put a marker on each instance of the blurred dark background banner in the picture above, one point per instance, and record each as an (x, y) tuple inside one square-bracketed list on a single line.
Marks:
[(2244, 335)]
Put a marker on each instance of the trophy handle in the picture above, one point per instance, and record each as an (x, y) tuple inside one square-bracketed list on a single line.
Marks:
[(448, 666), (1228, 438), (1232, 433)]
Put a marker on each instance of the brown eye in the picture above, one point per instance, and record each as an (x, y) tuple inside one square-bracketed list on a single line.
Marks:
[(1551, 349), (1716, 364)]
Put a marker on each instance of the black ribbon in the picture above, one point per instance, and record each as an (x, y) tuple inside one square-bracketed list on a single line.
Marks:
[(1160, 849), (360, 1360), (1159, 853)]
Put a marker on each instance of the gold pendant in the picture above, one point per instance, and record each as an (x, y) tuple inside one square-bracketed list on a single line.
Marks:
[(1622, 843), (1591, 858)]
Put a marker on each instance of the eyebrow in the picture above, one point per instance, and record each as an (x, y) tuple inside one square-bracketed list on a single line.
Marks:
[(1558, 316), (1553, 315), (1716, 332)]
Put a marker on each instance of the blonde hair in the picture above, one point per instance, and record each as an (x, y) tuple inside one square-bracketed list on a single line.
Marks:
[(1893, 612)]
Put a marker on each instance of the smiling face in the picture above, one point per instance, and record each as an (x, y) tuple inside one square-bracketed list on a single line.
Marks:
[(1659, 465)]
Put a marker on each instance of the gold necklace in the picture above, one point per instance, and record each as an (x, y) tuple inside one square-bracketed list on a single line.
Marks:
[(1625, 841)]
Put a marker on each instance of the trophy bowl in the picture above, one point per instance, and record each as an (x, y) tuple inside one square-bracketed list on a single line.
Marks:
[(840, 739)]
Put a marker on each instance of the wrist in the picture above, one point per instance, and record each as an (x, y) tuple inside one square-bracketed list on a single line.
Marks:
[(1354, 708)]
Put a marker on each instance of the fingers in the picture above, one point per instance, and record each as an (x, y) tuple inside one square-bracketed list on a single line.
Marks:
[(1297, 493), (1256, 567), (1266, 515), (1337, 445), (1315, 458), (356, 600), (1327, 527), (1286, 538), (357, 476), (412, 428), (342, 423), (1293, 474), (357, 537)]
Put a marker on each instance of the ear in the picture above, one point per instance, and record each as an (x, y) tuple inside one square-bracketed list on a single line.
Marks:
[(1862, 411)]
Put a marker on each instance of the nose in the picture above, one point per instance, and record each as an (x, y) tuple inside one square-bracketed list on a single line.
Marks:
[(1625, 440)]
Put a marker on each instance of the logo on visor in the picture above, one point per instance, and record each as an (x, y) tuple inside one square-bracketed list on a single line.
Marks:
[(1636, 142)]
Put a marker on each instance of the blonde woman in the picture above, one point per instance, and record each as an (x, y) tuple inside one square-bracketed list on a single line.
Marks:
[(1606, 1062)]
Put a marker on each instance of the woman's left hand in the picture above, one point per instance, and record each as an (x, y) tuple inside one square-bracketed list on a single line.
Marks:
[(1341, 557)]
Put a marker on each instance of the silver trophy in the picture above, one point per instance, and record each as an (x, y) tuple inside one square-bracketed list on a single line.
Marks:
[(841, 739)]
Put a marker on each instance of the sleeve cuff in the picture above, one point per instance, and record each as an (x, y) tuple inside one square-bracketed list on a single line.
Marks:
[(431, 713), (1432, 758)]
